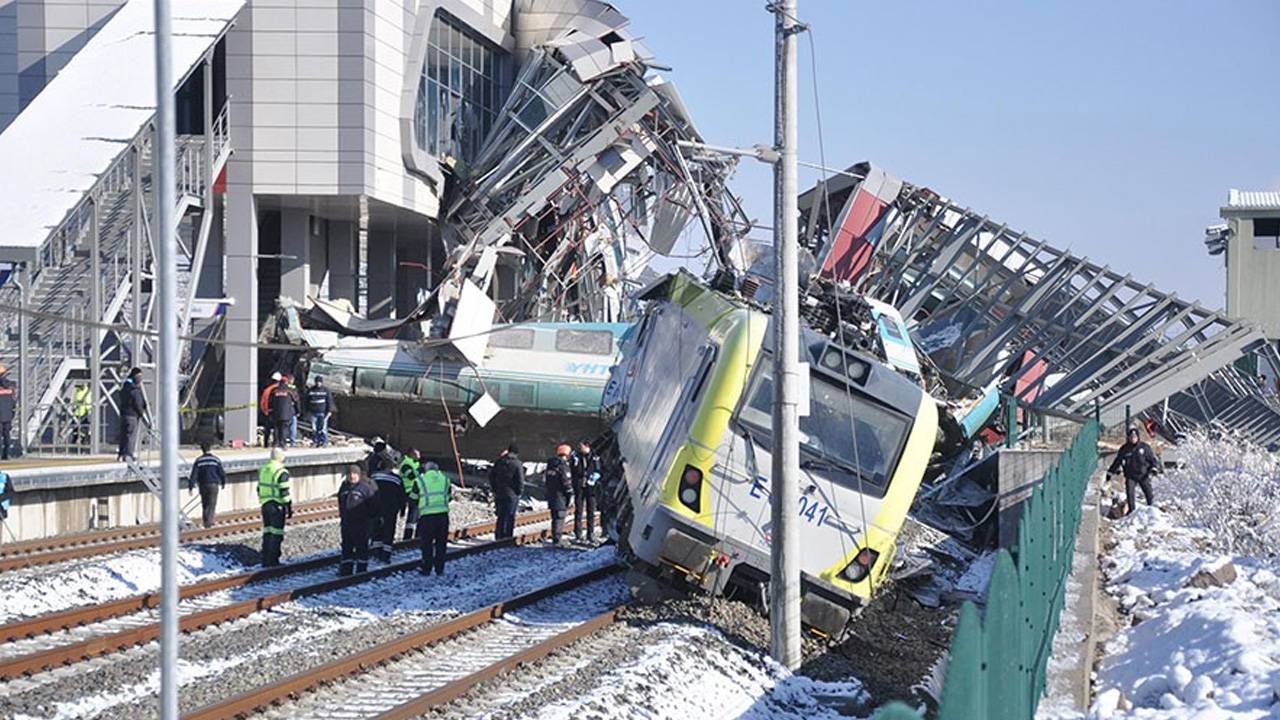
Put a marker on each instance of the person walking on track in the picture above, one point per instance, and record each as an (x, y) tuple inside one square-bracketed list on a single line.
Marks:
[(207, 475), (277, 505)]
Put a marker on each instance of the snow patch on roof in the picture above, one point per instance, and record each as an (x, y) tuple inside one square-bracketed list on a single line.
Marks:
[(56, 148), (1253, 199)]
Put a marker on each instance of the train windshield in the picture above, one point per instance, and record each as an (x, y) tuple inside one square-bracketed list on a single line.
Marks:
[(844, 430)]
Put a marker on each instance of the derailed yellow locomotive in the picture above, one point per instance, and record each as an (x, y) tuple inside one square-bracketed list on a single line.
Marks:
[(691, 402)]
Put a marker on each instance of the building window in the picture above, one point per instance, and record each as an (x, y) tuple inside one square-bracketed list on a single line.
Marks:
[(1266, 234), (462, 87)]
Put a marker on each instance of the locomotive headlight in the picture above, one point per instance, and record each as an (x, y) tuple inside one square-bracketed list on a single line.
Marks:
[(861, 566), (691, 488)]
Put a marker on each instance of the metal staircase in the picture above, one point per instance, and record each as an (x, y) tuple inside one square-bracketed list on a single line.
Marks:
[(98, 268)]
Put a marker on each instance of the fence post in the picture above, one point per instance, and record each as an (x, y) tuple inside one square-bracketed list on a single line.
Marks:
[(1011, 422), (964, 693)]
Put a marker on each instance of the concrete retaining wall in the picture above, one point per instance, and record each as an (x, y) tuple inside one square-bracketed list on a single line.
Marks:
[(72, 498)]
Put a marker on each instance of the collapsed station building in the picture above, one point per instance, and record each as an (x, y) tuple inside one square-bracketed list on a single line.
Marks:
[(373, 187)]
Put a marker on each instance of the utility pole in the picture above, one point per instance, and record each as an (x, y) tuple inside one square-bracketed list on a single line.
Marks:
[(784, 567), (166, 393)]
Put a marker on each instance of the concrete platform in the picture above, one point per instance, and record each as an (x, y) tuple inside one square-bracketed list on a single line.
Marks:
[(72, 494)]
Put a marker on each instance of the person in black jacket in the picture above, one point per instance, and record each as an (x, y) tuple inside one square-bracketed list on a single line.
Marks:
[(133, 413), (208, 475), (559, 481), (377, 459), (283, 404), (587, 473), (357, 507), (391, 506), (506, 481), (8, 407), (320, 407), (1138, 463)]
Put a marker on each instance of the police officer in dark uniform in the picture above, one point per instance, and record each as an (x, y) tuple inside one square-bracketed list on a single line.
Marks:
[(1138, 463), (390, 506), (357, 507), (319, 406), (559, 486), (587, 472), (8, 406), (208, 475), (506, 481)]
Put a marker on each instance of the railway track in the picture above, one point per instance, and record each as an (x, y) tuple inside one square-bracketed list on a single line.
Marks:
[(67, 637), (407, 676), (48, 551)]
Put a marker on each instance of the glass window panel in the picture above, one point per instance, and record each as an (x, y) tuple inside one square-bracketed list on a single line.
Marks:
[(591, 342), (461, 91)]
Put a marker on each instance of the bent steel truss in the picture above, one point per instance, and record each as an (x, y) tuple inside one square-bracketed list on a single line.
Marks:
[(991, 303)]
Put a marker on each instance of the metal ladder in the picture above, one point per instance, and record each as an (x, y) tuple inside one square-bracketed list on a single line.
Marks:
[(149, 478)]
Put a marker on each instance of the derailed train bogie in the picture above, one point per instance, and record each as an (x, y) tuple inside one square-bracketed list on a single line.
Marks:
[(692, 453)]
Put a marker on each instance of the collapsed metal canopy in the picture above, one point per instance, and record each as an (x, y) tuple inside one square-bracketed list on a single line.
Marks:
[(993, 304)]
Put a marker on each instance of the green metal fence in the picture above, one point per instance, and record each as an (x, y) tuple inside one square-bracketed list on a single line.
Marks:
[(997, 665)]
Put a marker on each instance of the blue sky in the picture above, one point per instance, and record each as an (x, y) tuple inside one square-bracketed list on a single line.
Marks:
[(1111, 128)]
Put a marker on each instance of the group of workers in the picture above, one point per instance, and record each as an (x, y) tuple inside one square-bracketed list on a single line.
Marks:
[(375, 494), (282, 404)]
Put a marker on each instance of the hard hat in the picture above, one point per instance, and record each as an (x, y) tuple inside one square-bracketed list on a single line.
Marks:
[(564, 450), (276, 376)]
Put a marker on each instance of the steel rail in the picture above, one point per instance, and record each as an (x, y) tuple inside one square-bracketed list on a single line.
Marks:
[(87, 537), (82, 545), (460, 687), (78, 616), (107, 644), (262, 697)]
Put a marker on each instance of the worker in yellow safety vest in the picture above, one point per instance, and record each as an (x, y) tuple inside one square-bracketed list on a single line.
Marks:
[(434, 493), (410, 470), (81, 405), (277, 505)]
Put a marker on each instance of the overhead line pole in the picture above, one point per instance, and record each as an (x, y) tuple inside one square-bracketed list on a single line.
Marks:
[(166, 392), (784, 566)]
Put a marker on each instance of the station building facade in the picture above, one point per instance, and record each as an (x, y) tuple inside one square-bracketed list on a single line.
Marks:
[(342, 120)]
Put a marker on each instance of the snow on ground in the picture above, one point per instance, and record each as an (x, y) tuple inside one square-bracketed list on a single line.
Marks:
[(1185, 651), (693, 671), (43, 590), (468, 584)]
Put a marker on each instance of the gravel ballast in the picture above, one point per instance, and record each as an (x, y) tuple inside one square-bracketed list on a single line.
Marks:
[(222, 661)]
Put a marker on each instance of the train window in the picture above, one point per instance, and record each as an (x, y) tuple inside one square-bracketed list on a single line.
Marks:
[(843, 428), (589, 342), (512, 338), (518, 393), (370, 379), (400, 384)]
